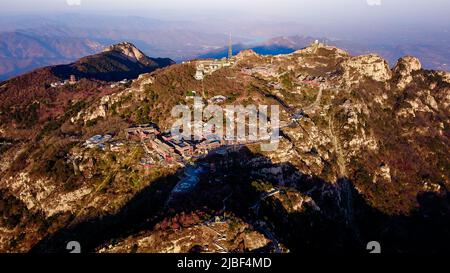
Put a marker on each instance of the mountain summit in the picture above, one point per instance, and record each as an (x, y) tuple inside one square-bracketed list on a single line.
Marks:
[(130, 51), (117, 62), (89, 77)]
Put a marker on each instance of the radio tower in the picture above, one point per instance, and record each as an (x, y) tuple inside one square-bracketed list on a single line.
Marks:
[(230, 48)]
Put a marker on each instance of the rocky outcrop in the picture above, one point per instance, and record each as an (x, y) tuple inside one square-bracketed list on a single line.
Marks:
[(316, 47), (186, 238), (370, 66), (404, 68), (130, 51), (100, 110), (445, 76), (246, 54), (406, 65), (44, 194)]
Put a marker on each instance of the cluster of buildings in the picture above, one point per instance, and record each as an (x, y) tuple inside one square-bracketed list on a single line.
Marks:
[(165, 148), (207, 67), (159, 147), (121, 83), (142, 132), (71, 81), (264, 71), (103, 142), (311, 80)]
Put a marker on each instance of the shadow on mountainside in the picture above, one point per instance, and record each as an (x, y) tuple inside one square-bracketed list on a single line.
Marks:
[(337, 220)]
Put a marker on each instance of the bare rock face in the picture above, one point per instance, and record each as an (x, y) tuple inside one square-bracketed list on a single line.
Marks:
[(404, 68), (165, 240), (130, 51), (316, 47), (444, 75), (246, 53), (406, 65), (370, 66)]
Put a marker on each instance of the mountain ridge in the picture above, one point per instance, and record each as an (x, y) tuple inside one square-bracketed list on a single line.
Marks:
[(99, 70), (118, 62), (363, 156)]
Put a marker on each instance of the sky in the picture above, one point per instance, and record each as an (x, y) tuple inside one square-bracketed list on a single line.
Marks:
[(378, 20), (406, 11)]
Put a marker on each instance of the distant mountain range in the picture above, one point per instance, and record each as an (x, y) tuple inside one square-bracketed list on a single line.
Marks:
[(21, 52), (29, 42)]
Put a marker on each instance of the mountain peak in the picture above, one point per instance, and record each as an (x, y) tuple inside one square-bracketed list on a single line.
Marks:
[(130, 51), (246, 53), (317, 47), (404, 69), (407, 65)]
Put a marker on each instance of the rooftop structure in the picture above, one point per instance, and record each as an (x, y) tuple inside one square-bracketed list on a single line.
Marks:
[(141, 132), (207, 67), (72, 79), (207, 145), (162, 149), (116, 146), (147, 162), (183, 148), (266, 71), (311, 80), (57, 84), (98, 141), (199, 75)]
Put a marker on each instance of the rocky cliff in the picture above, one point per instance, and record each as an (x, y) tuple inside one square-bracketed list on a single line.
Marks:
[(366, 160)]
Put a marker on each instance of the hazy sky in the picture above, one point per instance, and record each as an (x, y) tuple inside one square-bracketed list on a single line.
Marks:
[(407, 11), (379, 20)]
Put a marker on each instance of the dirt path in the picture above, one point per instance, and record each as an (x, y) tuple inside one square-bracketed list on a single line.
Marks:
[(337, 148), (313, 106)]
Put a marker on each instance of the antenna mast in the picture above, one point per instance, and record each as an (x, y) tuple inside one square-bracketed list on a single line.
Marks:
[(230, 48)]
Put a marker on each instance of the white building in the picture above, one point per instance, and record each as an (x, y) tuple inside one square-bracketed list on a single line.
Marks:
[(207, 67), (199, 75)]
